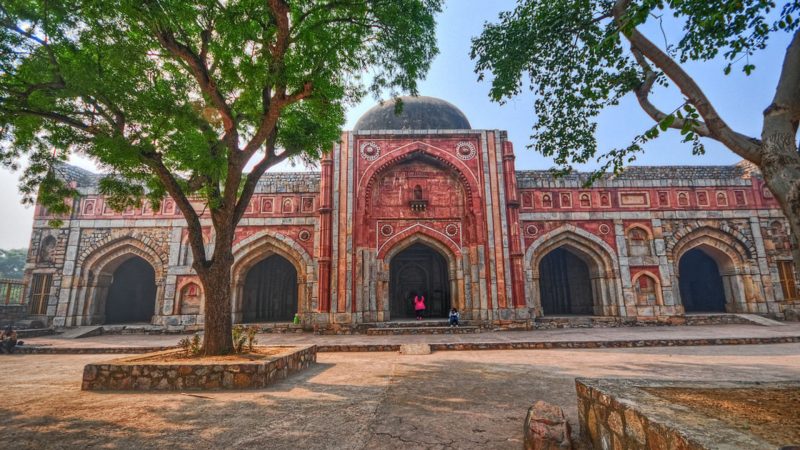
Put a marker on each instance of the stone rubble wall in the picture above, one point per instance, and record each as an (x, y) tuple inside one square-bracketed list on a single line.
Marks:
[(128, 374)]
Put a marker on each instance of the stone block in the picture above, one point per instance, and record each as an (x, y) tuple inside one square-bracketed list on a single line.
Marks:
[(415, 349), (546, 428)]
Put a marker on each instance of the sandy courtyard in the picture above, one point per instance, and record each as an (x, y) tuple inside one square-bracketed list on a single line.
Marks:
[(350, 400)]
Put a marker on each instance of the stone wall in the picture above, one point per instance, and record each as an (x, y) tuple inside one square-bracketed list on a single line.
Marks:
[(622, 415), (135, 374)]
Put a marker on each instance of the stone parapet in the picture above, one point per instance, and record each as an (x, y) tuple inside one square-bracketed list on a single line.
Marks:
[(626, 414), (141, 374)]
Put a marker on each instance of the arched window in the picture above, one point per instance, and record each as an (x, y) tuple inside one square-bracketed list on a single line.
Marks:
[(547, 201), (683, 199), (47, 250), (586, 201), (638, 242), (722, 199), (190, 299), (417, 192), (647, 290)]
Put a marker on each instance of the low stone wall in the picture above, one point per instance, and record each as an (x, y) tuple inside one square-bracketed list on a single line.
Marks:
[(135, 374), (621, 414)]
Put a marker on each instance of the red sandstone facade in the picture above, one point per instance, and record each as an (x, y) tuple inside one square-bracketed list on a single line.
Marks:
[(401, 207)]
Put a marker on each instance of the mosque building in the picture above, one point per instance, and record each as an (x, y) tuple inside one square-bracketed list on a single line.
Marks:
[(423, 204)]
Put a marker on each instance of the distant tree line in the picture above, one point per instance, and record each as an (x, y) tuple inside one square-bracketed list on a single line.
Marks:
[(12, 262)]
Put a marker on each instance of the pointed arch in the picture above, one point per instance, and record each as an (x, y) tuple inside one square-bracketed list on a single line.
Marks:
[(733, 258), (420, 235), (258, 247), (597, 254), (95, 274)]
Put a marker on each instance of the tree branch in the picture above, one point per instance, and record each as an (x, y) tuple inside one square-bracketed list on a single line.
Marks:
[(270, 159), (744, 146), (207, 85), (643, 96), (155, 162)]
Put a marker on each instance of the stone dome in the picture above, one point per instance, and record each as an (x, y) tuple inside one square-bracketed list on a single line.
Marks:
[(419, 113)]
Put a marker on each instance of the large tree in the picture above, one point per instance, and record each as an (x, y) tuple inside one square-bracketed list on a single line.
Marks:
[(177, 97), (581, 56)]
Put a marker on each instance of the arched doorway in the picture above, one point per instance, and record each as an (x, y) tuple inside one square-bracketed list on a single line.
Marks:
[(132, 293), (565, 285), (270, 291), (418, 270), (700, 283)]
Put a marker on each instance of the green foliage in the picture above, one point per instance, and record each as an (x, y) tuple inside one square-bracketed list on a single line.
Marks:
[(109, 80), (192, 347), (244, 335), (570, 53), (12, 262)]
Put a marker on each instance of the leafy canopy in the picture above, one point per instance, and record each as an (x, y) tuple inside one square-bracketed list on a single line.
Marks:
[(176, 96), (576, 63)]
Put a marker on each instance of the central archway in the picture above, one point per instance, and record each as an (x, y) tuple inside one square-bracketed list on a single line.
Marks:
[(270, 291), (419, 270), (565, 284), (700, 283), (132, 293)]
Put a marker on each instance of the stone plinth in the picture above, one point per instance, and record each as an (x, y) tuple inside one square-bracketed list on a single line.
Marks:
[(140, 373), (625, 414)]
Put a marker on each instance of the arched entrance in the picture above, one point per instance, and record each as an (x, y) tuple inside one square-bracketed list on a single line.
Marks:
[(565, 284), (418, 270), (700, 282), (270, 291), (132, 292)]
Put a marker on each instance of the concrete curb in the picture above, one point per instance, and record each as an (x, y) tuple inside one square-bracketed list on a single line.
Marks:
[(460, 346)]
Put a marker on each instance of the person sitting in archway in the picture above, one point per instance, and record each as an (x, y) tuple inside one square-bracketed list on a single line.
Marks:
[(419, 305), (9, 340)]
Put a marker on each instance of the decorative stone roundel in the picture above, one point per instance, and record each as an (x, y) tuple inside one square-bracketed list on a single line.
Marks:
[(387, 230), (465, 150), (304, 235), (451, 230), (532, 230), (370, 151), (604, 229)]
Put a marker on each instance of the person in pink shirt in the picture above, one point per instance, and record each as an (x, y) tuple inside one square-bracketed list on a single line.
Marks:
[(419, 305)]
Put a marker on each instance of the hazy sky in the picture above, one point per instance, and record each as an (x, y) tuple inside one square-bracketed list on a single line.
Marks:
[(738, 98)]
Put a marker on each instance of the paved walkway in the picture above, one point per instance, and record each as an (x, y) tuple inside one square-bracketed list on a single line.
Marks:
[(557, 335), (446, 400)]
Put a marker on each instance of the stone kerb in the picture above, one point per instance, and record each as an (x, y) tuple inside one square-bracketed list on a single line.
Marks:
[(138, 373), (622, 414)]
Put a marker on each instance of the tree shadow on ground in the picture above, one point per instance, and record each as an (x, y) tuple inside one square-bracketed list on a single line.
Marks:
[(374, 401)]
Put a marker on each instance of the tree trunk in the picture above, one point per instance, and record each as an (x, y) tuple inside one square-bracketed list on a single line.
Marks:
[(780, 165), (217, 281)]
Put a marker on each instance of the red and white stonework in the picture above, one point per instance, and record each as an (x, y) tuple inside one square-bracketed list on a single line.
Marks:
[(422, 204)]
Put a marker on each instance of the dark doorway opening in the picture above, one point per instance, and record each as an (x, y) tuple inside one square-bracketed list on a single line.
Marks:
[(132, 293), (419, 270), (700, 283), (564, 284), (270, 291)]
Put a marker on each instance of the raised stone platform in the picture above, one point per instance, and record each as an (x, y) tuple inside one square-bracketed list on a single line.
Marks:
[(630, 414), (386, 331), (140, 373)]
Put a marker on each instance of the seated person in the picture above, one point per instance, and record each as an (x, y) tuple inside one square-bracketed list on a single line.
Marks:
[(454, 317), (9, 340)]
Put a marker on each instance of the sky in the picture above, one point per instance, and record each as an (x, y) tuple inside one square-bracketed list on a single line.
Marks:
[(738, 98)]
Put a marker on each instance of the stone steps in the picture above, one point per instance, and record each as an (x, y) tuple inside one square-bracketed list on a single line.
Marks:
[(410, 324), (80, 332), (386, 331), (760, 320)]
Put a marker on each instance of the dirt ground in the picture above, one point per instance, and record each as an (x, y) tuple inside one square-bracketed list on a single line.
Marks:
[(350, 400), (772, 414)]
